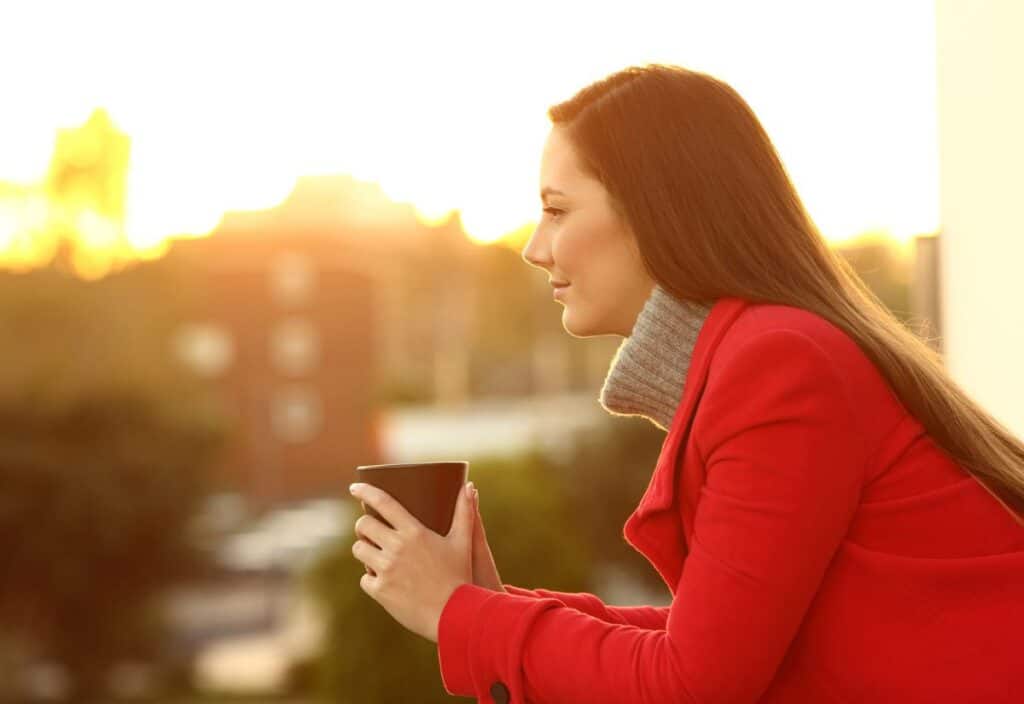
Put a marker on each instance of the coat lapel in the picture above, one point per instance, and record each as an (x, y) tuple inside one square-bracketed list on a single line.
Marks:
[(654, 528)]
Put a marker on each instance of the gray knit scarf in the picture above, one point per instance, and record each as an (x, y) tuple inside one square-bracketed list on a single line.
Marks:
[(649, 369)]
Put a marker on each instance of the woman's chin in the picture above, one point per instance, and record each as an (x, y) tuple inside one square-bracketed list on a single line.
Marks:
[(578, 327)]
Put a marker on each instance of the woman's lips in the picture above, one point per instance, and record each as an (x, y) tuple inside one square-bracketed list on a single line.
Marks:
[(559, 290)]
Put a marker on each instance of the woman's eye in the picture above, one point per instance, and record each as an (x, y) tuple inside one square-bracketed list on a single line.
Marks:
[(552, 211)]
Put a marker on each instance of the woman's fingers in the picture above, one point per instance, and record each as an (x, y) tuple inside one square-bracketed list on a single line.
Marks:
[(479, 539), (374, 531), (479, 534), (369, 555), (386, 505)]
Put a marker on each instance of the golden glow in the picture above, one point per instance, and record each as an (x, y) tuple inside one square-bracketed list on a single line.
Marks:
[(442, 117)]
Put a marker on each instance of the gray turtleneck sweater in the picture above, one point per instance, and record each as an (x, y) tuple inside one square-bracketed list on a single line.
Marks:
[(649, 369)]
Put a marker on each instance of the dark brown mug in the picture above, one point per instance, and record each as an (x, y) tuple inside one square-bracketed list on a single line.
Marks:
[(427, 490)]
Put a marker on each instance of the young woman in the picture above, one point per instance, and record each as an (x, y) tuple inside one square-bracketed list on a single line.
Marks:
[(836, 519)]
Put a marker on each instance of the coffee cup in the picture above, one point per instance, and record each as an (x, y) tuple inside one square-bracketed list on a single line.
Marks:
[(427, 490)]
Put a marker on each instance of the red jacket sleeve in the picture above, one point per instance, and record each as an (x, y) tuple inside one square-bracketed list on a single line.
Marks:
[(784, 464), (653, 617)]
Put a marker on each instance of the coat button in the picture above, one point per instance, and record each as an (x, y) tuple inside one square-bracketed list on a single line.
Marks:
[(499, 692)]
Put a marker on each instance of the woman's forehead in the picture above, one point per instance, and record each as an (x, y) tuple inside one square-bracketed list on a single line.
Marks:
[(560, 170)]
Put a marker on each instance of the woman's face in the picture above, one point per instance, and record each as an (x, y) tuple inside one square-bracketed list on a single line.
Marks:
[(582, 242)]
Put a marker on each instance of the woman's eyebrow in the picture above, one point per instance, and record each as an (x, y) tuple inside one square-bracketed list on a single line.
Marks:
[(545, 192)]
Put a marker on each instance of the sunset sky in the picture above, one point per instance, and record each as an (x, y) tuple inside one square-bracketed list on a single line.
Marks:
[(443, 103)]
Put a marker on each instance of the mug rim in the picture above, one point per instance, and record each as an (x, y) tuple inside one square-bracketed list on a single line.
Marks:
[(398, 465)]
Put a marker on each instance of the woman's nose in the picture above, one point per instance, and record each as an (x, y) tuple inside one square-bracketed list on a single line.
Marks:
[(534, 254)]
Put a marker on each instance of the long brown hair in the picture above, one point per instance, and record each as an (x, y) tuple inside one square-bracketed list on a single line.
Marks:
[(691, 170)]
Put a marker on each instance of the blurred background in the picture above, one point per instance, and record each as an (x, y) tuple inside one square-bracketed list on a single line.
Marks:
[(246, 247)]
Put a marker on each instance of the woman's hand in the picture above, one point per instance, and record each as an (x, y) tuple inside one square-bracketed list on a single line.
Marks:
[(485, 572), (415, 570)]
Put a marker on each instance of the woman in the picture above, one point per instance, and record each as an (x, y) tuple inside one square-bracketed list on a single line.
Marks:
[(835, 518)]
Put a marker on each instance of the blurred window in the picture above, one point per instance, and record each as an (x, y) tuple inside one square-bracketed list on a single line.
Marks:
[(294, 346), (296, 413), (292, 279), (206, 348)]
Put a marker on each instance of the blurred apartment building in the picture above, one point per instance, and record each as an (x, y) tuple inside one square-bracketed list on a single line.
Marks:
[(281, 314), (278, 324), (925, 290), (320, 316)]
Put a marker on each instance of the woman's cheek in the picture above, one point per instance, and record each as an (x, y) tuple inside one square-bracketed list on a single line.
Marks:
[(565, 252)]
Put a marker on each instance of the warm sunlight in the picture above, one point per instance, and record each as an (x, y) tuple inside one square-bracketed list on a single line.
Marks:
[(441, 118)]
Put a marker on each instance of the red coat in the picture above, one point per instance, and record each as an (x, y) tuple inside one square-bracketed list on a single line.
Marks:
[(818, 545)]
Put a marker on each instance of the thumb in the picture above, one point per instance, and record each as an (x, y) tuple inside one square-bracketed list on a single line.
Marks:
[(462, 523)]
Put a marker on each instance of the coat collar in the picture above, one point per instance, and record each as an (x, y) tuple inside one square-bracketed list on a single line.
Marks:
[(656, 513)]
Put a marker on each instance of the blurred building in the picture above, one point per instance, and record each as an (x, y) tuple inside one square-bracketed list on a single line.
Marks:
[(89, 168), (75, 216), (285, 326), (925, 300), (317, 318)]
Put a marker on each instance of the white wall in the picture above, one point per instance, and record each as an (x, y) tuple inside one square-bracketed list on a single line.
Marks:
[(980, 71)]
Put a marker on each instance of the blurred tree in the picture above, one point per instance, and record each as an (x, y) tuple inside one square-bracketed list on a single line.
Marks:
[(608, 472), (368, 657), (104, 442)]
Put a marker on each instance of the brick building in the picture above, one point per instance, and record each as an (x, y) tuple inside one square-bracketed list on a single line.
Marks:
[(317, 315), (285, 326)]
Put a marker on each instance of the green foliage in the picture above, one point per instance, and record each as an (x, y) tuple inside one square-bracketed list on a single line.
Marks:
[(104, 445), (368, 657), (608, 474)]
